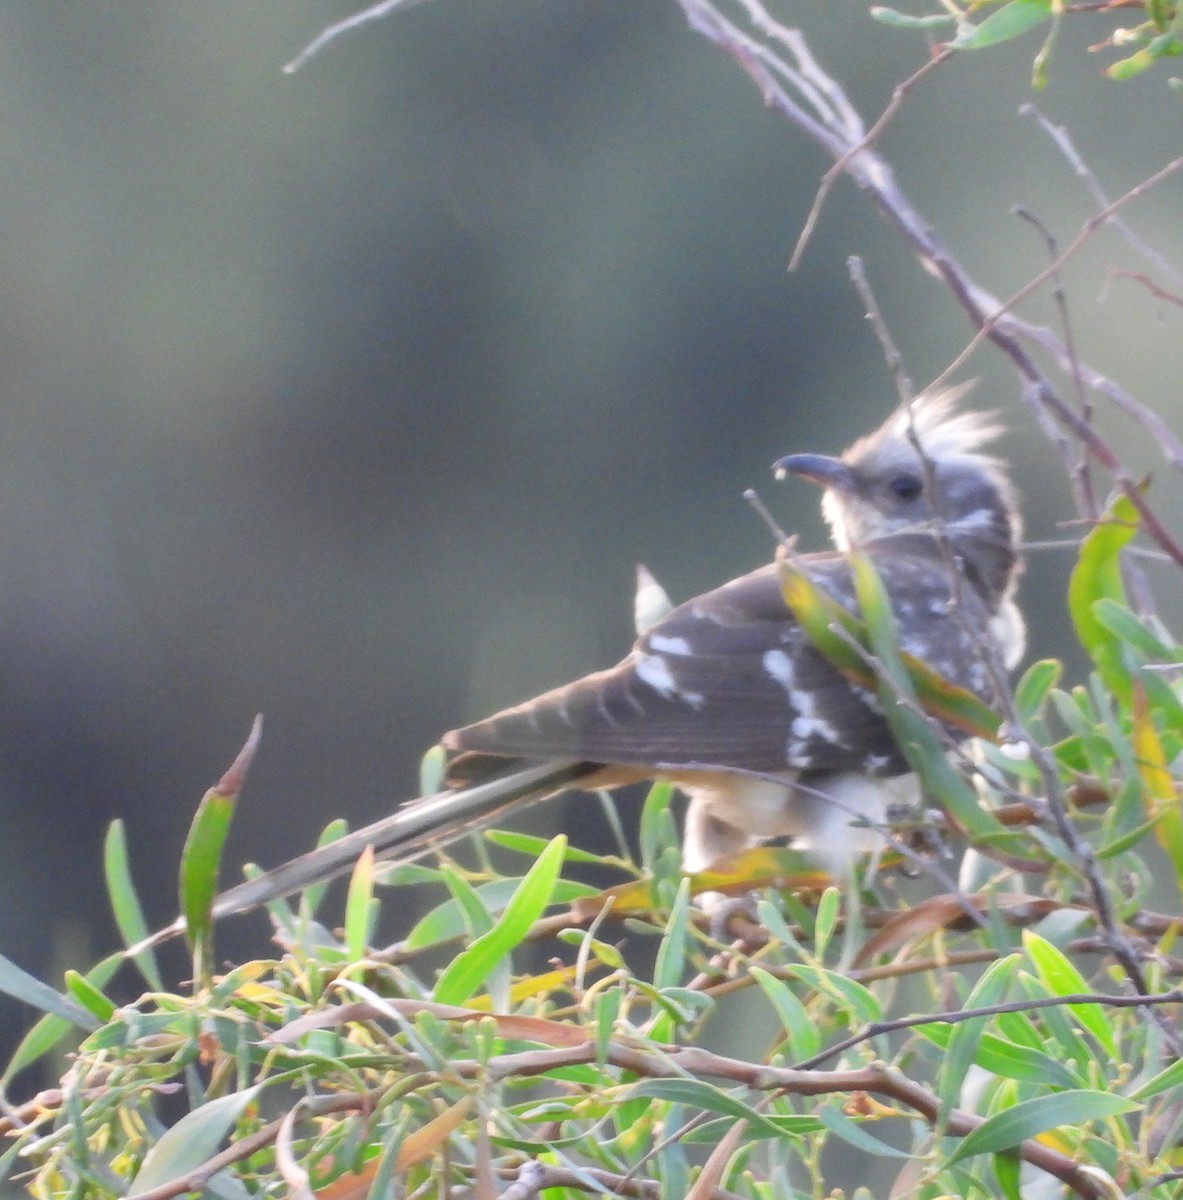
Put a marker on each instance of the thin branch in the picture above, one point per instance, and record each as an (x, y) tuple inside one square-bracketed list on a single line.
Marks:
[(374, 13), (992, 320), (1063, 142), (879, 1028), (1149, 284), (1086, 498), (898, 96)]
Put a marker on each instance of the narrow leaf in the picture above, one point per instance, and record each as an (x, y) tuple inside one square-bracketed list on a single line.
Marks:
[(1030, 1118), (891, 16), (1032, 690), (193, 1140), (50, 1030), (313, 894), (1007, 22), (1096, 576), (800, 1029), (469, 970), (671, 954), (962, 1050), (203, 853), (1061, 978), (693, 1093), (125, 904), (359, 906), (90, 997), (22, 986), (851, 1132)]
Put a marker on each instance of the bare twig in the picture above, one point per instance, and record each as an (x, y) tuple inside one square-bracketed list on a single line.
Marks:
[(1086, 498), (891, 353), (1149, 284), (1064, 144), (878, 1028), (898, 95), (374, 13)]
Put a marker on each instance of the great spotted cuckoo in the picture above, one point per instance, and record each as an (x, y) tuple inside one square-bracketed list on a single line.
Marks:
[(728, 698)]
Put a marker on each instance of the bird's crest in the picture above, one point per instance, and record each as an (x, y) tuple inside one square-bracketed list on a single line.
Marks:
[(943, 432)]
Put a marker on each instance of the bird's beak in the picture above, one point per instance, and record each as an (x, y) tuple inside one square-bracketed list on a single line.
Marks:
[(817, 468)]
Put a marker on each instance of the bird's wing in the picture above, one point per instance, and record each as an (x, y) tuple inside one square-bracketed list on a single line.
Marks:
[(726, 680)]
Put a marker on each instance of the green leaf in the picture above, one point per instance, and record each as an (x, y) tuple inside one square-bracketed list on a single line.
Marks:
[(22, 986), (469, 970), (203, 854), (671, 954), (1032, 690), (711, 1132), (656, 824), (860, 1002), (90, 997), (475, 915), (1030, 1118), (1009, 21), (193, 1140), (962, 1050), (826, 920), (447, 921), (899, 20), (50, 1030), (1008, 1171), (524, 843), (800, 1030), (1007, 1058), (431, 771), (1164, 46), (1097, 576), (313, 894), (693, 1093), (852, 1132), (606, 1008), (1169, 1078), (1061, 978), (125, 904), (1122, 623), (359, 906)]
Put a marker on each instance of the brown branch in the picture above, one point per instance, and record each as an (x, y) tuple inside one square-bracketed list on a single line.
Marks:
[(898, 96), (878, 1028), (878, 1079), (1157, 292), (1063, 142)]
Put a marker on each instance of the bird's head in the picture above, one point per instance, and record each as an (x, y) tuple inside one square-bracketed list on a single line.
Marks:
[(882, 487)]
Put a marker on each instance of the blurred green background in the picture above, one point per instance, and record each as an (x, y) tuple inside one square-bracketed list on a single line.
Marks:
[(353, 396)]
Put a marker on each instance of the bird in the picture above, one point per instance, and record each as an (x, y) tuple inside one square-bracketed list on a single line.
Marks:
[(726, 696)]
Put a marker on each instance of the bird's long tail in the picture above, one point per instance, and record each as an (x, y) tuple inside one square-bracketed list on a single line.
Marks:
[(404, 835)]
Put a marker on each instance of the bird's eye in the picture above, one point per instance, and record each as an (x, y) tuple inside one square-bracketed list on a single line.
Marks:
[(905, 487)]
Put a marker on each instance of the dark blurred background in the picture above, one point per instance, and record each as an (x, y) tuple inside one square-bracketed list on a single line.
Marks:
[(353, 396)]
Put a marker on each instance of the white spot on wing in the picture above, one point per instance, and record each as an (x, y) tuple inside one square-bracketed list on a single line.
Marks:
[(779, 666), (654, 671), (669, 645), (807, 723)]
